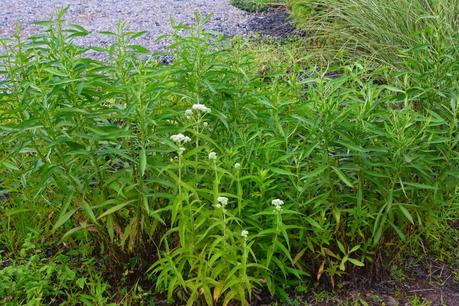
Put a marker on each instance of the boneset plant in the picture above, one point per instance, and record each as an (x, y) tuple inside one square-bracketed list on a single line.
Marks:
[(218, 180)]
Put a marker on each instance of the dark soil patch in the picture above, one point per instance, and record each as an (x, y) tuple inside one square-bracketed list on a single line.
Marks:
[(275, 23)]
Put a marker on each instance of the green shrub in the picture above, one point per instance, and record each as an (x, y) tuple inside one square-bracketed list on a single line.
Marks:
[(217, 176)]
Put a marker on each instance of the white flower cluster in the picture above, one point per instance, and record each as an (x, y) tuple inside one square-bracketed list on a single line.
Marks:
[(222, 202), (180, 138), (212, 156), (244, 233), (201, 108), (277, 204), (237, 166)]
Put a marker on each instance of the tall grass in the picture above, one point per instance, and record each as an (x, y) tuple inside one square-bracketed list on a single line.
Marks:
[(378, 28), (217, 178)]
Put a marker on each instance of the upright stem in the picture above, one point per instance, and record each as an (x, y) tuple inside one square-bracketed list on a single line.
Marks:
[(198, 122), (239, 192), (224, 230), (180, 176)]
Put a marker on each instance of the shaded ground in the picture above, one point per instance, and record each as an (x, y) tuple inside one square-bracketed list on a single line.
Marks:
[(274, 23), (425, 282)]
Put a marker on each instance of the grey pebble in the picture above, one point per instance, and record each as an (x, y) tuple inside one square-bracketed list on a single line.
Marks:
[(140, 15)]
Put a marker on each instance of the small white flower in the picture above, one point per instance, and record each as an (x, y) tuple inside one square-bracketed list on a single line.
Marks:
[(237, 166), (180, 138), (212, 156), (223, 200), (181, 150), (244, 233), (201, 108), (205, 124), (277, 202), (188, 112)]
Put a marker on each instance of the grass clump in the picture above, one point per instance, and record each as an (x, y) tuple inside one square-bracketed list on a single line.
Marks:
[(379, 29), (210, 178)]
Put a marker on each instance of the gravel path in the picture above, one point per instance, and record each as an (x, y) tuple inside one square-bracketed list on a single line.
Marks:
[(102, 15)]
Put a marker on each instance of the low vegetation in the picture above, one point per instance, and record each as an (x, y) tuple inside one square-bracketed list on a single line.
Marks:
[(219, 177), (256, 5)]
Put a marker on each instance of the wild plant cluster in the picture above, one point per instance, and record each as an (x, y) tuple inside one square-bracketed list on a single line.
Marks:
[(216, 178)]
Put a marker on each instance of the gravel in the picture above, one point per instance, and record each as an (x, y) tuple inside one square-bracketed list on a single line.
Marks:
[(141, 15)]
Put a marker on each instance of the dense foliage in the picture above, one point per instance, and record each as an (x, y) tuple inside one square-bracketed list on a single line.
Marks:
[(380, 29), (212, 176)]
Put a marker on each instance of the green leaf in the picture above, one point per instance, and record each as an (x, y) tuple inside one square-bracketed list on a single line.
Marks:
[(314, 172), (343, 177), (353, 147), (314, 223), (56, 72), (15, 211), (88, 210), (393, 89), (420, 186), (355, 248), (115, 209), (73, 230), (398, 231), (280, 171), (10, 166), (143, 161), (64, 218), (406, 213), (341, 247), (81, 282), (65, 215), (356, 262), (342, 266)]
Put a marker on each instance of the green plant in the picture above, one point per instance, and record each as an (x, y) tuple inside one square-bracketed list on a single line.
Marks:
[(34, 279), (215, 178), (418, 301), (378, 29)]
